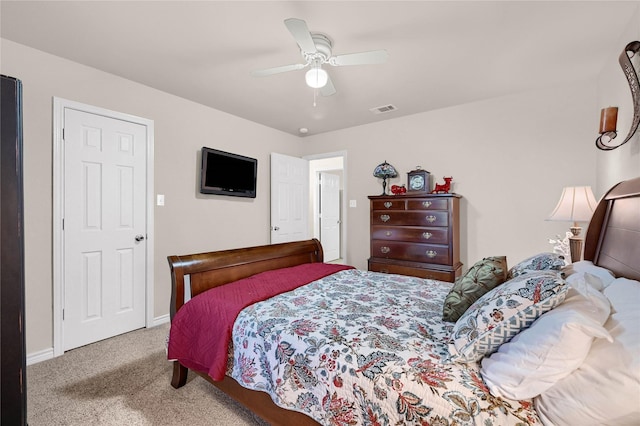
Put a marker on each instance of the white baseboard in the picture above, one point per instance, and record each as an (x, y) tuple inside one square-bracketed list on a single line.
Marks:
[(46, 354), (36, 357), (161, 320)]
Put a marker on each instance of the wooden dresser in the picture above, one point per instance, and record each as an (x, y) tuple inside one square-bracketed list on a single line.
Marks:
[(416, 235)]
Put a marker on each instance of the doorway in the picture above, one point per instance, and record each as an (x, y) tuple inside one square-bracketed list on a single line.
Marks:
[(332, 166), (103, 223)]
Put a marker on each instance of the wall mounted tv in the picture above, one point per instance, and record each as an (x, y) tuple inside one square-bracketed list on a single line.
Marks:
[(224, 173)]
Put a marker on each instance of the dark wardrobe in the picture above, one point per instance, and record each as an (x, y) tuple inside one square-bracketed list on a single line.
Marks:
[(12, 342)]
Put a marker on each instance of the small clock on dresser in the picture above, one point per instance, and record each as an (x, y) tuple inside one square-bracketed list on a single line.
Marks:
[(418, 180)]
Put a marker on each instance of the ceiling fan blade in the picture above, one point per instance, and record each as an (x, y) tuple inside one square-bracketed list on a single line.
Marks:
[(300, 32), (277, 70), (362, 58), (328, 89)]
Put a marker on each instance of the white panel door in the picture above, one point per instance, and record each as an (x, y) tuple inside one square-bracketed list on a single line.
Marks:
[(330, 215), (104, 227), (289, 198)]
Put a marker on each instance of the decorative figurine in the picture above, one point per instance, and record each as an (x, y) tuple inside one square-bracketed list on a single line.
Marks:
[(444, 188), (398, 190)]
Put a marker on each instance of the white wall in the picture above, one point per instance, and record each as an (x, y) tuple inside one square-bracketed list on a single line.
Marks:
[(188, 223), (613, 90), (509, 157)]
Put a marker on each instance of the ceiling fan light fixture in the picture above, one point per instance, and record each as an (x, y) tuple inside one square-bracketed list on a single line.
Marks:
[(316, 77)]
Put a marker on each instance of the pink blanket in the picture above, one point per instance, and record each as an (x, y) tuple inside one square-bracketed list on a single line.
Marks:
[(201, 330)]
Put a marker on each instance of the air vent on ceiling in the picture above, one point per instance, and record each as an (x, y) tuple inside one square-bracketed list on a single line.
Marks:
[(383, 109)]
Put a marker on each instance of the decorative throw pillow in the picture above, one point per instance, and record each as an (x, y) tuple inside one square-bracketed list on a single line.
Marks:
[(539, 262), (604, 389), (479, 279), (502, 312), (552, 348)]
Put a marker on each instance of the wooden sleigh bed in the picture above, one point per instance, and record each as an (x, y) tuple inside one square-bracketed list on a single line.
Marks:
[(612, 242)]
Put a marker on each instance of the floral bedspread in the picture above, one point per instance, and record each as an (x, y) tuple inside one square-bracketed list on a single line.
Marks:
[(364, 348)]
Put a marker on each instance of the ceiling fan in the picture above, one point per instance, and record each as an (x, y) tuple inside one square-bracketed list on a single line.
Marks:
[(316, 51)]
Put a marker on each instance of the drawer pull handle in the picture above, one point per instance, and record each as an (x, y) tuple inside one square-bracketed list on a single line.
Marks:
[(426, 203), (431, 253), (385, 217), (430, 218), (388, 233), (427, 235), (385, 249), (388, 204)]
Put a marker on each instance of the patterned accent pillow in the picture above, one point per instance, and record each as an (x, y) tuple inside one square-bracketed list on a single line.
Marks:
[(479, 279), (502, 312), (539, 262)]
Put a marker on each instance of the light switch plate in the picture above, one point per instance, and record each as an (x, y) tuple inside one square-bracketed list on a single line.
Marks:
[(160, 200)]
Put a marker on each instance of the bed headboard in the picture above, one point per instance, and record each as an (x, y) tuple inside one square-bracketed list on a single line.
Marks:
[(613, 236), (213, 269)]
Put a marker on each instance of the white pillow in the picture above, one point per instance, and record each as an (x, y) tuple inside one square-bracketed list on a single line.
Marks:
[(578, 269), (551, 348), (605, 389)]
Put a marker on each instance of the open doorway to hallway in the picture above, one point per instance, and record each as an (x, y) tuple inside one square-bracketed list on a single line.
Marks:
[(327, 195)]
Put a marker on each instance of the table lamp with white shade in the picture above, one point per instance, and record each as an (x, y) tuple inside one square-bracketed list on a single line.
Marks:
[(576, 204)]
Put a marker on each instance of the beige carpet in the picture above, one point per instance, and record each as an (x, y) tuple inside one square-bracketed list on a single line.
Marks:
[(124, 381)]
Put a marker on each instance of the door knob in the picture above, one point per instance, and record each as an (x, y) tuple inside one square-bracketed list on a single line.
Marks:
[(276, 228), (139, 237)]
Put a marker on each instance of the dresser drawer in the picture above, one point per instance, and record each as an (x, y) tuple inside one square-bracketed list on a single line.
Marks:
[(397, 204), (414, 234), (388, 268), (427, 253), (428, 204), (410, 218)]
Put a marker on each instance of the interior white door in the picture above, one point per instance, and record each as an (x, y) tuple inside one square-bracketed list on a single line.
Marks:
[(289, 198), (330, 215), (104, 227)]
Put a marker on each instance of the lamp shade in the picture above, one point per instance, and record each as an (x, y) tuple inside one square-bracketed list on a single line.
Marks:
[(384, 171), (576, 204), (316, 77)]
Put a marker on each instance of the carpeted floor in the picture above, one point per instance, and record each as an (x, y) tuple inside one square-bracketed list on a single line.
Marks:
[(125, 381)]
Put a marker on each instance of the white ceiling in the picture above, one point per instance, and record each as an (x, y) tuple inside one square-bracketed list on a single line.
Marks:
[(440, 53)]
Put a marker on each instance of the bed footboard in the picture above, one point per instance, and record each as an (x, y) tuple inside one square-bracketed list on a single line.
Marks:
[(213, 269)]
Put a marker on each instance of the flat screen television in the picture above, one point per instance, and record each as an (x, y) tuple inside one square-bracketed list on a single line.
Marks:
[(224, 173)]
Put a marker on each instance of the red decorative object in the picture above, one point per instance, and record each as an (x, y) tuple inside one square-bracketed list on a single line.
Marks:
[(444, 188), (398, 190)]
